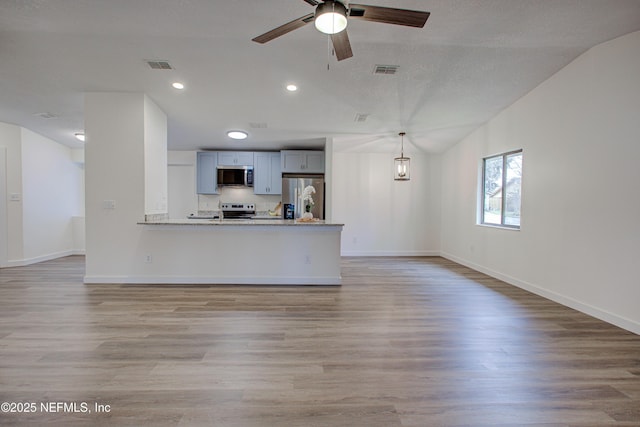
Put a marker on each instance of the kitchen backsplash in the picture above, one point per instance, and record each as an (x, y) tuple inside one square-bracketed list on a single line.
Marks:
[(238, 195)]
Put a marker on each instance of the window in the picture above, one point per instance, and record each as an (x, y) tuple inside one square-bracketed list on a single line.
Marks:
[(501, 185)]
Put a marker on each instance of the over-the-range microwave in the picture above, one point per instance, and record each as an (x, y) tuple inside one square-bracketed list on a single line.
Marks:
[(235, 176)]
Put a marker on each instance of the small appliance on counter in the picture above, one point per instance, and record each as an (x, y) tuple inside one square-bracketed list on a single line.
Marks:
[(289, 211)]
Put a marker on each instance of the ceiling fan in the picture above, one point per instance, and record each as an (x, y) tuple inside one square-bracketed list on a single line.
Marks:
[(331, 16)]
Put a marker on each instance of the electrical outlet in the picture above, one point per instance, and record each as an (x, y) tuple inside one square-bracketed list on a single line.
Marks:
[(148, 258)]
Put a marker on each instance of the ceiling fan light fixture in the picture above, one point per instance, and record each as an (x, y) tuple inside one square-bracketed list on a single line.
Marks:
[(331, 17)]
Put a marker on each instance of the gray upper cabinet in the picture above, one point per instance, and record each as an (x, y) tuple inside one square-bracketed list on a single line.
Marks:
[(207, 177), (267, 174), (235, 158), (302, 161)]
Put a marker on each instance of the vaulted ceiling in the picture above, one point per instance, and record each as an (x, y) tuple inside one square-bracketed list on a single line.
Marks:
[(471, 60)]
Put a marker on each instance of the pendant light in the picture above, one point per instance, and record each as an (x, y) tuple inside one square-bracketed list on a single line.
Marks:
[(402, 164)]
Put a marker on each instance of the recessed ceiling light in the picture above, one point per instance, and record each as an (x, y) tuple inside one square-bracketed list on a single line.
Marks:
[(80, 136), (292, 88), (178, 85), (237, 134)]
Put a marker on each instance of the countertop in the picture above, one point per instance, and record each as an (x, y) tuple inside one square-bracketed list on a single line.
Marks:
[(240, 222)]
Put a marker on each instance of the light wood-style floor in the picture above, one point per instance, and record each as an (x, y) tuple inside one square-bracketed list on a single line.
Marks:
[(404, 342)]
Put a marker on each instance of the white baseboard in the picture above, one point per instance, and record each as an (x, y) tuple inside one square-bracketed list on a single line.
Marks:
[(596, 312), (35, 260), (198, 280), (389, 253)]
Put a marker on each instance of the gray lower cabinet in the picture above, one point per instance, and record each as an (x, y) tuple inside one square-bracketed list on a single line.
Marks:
[(207, 175), (267, 174), (302, 161)]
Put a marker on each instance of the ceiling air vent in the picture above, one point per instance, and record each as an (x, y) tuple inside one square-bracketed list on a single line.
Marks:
[(385, 69), (361, 117), (256, 125), (159, 65)]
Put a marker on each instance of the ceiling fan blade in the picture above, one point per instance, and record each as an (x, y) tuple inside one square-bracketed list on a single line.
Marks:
[(388, 15), (341, 45), (284, 29), (312, 2)]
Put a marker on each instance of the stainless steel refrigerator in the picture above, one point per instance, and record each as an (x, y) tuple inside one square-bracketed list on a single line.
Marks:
[(293, 186)]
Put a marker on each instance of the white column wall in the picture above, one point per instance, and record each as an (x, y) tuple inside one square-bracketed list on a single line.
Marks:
[(114, 172), (579, 242), (329, 150), (155, 159)]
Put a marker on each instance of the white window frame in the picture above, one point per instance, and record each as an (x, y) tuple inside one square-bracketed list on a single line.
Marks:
[(502, 224)]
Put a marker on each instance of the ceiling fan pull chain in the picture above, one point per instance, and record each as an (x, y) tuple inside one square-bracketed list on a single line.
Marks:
[(333, 20)]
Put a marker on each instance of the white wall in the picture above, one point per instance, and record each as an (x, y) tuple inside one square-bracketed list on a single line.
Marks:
[(579, 242), (43, 190), (51, 184), (383, 216)]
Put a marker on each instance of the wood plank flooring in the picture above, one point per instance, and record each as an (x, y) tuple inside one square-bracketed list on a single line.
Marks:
[(404, 342)]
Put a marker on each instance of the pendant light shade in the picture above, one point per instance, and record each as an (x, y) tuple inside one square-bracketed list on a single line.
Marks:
[(331, 17), (402, 164)]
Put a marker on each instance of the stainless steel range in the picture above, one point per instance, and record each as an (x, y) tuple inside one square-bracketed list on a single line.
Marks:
[(238, 210)]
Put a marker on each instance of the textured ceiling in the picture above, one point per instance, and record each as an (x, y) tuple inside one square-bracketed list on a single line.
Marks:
[(472, 59)]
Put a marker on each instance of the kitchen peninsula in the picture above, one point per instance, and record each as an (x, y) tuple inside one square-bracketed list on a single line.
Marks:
[(264, 252), (129, 241)]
